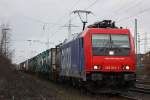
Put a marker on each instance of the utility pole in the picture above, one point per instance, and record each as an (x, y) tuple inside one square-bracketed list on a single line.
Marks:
[(139, 51), (139, 41), (135, 41), (79, 12), (135, 36), (69, 26), (145, 43)]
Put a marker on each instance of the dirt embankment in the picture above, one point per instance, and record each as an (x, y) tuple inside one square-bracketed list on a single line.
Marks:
[(19, 86)]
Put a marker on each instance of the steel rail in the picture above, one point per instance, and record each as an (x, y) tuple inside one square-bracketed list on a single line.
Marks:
[(140, 90)]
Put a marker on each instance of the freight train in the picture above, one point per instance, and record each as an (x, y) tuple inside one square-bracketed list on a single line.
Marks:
[(101, 55)]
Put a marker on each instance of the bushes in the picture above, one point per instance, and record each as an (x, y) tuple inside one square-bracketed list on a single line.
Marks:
[(5, 66), (146, 62)]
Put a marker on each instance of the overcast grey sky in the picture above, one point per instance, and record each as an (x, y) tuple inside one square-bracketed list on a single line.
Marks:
[(44, 19)]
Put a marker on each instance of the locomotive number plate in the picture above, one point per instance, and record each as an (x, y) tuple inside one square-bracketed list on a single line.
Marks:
[(111, 67)]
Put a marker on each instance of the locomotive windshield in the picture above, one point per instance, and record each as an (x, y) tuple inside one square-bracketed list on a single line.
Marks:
[(110, 44)]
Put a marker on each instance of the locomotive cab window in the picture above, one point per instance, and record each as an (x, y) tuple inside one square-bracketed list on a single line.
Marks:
[(100, 40), (121, 41), (103, 44)]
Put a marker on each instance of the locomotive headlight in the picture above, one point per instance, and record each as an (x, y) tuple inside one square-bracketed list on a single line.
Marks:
[(127, 67), (95, 67)]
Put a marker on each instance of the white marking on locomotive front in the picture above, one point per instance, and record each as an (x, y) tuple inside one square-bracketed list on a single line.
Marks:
[(114, 58)]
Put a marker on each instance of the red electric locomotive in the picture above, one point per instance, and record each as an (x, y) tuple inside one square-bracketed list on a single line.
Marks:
[(101, 54), (109, 54)]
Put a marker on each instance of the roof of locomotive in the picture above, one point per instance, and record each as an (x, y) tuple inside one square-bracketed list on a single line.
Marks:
[(96, 30), (105, 26), (106, 30)]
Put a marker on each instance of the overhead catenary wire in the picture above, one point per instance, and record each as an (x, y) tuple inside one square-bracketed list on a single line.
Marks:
[(57, 23), (131, 7), (44, 22), (127, 9), (54, 24), (91, 5), (69, 10), (38, 21), (127, 6), (136, 14), (62, 17), (134, 5)]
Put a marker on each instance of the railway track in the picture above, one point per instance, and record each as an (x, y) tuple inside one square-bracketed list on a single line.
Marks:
[(136, 93), (142, 86), (128, 95), (143, 82), (120, 93), (140, 90)]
